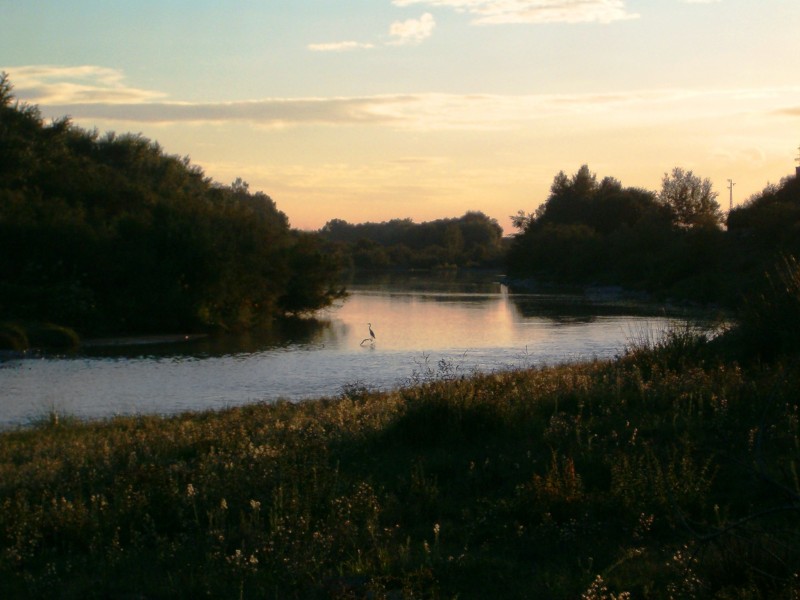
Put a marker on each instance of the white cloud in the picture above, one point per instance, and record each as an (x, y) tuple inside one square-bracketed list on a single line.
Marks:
[(495, 12), (340, 46), (402, 33), (47, 84), (412, 31)]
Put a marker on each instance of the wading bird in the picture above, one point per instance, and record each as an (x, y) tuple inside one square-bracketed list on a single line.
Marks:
[(371, 338)]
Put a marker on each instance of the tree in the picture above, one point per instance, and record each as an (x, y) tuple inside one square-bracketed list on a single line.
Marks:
[(691, 199), (591, 231), (769, 221), (473, 239), (110, 234), (570, 197), (522, 220), (6, 89)]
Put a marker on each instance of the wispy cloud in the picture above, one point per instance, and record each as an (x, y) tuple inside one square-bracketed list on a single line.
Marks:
[(47, 84), (793, 111), (269, 112), (340, 46), (494, 12), (93, 93), (412, 31)]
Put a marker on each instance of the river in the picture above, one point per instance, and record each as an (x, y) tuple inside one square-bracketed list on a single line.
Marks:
[(425, 327)]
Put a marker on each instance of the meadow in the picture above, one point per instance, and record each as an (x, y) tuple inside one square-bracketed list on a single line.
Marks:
[(668, 472)]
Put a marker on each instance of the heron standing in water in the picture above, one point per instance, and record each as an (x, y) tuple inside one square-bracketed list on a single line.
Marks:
[(371, 338)]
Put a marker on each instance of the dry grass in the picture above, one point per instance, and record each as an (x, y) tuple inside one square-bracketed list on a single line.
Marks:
[(660, 475)]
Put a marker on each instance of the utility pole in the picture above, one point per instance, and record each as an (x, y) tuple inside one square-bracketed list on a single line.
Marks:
[(797, 160), (730, 189)]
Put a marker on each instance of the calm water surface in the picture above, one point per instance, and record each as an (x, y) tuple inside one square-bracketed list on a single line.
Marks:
[(423, 327)]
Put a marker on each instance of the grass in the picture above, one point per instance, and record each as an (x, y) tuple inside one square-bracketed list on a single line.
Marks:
[(665, 473)]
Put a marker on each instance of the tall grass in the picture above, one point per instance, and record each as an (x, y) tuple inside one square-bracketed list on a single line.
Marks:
[(663, 474), (770, 315)]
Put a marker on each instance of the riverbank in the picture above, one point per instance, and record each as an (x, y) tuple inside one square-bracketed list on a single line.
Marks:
[(21, 337), (664, 473), (617, 296)]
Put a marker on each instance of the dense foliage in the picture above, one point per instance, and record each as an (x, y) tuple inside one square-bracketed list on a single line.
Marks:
[(670, 243), (768, 224), (691, 200), (473, 240), (664, 474), (109, 233)]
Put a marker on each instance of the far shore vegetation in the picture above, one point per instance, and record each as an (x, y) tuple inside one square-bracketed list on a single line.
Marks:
[(109, 235), (670, 472)]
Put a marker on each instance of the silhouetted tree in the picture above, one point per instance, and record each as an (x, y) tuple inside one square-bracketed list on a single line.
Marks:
[(468, 241), (108, 233), (691, 199), (569, 198), (769, 222), (603, 233)]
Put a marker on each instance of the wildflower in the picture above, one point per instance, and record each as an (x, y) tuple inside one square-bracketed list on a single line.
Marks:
[(599, 591), (191, 492), (223, 504)]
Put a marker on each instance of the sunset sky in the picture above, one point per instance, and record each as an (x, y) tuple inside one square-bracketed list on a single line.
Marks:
[(369, 110)]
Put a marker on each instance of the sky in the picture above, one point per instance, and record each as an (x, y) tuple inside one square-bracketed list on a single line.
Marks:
[(371, 110)]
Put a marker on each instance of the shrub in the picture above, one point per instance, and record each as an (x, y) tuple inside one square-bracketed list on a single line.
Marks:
[(13, 337), (49, 335), (770, 318)]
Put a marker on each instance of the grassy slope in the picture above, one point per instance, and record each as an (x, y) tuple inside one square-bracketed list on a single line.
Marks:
[(662, 474)]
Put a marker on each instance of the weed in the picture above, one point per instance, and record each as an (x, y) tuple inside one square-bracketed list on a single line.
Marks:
[(660, 474)]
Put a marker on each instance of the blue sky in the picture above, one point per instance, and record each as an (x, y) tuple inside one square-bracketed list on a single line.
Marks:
[(380, 109)]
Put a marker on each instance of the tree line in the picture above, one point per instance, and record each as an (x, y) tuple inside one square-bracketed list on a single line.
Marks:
[(675, 242), (473, 240), (108, 233), (111, 234)]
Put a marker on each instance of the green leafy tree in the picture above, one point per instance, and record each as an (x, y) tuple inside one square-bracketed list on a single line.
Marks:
[(692, 200)]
